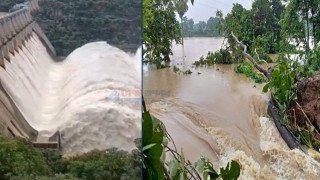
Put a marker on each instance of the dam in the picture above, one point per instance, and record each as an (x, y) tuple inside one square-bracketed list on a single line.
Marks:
[(65, 103)]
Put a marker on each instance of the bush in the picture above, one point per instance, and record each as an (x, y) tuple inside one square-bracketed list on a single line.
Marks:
[(247, 69), (220, 57), (20, 161), (19, 158)]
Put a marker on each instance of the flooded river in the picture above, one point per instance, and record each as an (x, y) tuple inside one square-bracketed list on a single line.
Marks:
[(222, 115)]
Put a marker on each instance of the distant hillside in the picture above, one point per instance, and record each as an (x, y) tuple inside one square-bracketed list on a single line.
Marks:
[(72, 23)]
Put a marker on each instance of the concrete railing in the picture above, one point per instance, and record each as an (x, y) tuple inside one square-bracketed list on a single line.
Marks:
[(16, 28), (34, 5), (13, 24)]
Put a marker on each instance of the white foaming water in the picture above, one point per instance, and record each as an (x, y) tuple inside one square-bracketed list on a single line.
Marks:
[(223, 116), (75, 96)]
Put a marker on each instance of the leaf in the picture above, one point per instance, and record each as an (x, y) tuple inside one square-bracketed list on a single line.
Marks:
[(192, 2), (173, 167), (147, 129), (148, 147), (211, 172), (275, 73), (266, 88), (283, 120), (200, 165), (234, 172)]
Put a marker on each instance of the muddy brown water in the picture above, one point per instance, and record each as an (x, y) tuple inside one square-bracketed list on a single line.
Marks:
[(222, 115)]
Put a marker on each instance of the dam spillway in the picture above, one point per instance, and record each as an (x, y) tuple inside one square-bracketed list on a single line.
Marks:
[(74, 96)]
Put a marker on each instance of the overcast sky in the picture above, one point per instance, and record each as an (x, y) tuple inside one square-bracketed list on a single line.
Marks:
[(203, 9)]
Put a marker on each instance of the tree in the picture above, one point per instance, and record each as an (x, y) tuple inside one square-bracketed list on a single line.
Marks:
[(19, 158), (73, 23), (300, 21), (160, 29), (211, 26), (181, 7), (6, 5)]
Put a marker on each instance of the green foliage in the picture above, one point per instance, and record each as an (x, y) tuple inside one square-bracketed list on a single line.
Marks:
[(55, 177), (260, 47), (20, 161), (220, 57), (300, 21), (19, 158), (181, 6), (155, 141), (109, 164), (313, 62), (176, 69), (153, 138), (258, 28), (160, 29), (188, 71), (70, 24), (247, 69), (6, 5), (283, 85), (230, 172), (211, 28)]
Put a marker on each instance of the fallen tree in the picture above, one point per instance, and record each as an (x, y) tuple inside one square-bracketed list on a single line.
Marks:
[(273, 106)]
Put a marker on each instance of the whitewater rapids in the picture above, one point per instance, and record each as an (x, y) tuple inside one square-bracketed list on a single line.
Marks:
[(92, 97), (222, 115)]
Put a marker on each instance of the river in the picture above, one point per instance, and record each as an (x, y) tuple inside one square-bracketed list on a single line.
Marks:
[(222, 115)]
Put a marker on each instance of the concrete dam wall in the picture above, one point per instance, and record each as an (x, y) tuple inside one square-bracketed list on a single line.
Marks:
[(17, 30), (92, 97)]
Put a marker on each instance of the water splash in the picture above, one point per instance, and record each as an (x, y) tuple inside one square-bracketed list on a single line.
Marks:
[(75, 96)]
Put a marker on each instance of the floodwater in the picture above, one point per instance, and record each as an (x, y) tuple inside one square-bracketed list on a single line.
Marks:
[(89, 97), (222, 115)]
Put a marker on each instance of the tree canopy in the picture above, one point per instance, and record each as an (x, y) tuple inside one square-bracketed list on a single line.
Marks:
[(19, 160), (70, 24), (160, 29), (202, 28)]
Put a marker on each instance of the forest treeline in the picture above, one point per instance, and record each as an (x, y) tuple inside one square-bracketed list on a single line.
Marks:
[(201, 29), (20, 161), (70, 24), (6, 5)]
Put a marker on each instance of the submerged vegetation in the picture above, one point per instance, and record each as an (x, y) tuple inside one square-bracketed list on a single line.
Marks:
[(20, 161), (220, 57), (248, 70)]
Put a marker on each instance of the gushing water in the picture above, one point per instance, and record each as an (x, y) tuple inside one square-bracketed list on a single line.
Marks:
[(76, 96), (223, 116)]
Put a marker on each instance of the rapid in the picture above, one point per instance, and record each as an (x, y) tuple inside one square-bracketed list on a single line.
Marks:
[(222, 115)]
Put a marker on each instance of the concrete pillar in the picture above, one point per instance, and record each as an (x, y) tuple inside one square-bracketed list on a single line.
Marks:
[(11, 25), (19, 40), (24, 18), (15, 23), (10, 46), (18, 22), (5, 52), (1, 58), (3, 37), (6, 29)]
